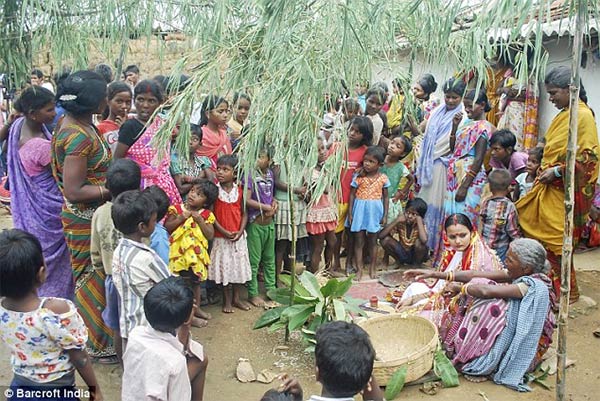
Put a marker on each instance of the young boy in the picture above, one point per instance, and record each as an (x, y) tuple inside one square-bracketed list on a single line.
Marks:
[(499, 222), (260, 230), (503, 154), (161, 361), (159, 240), (136, 267), (184, 171), (123, 175), (411, 246)]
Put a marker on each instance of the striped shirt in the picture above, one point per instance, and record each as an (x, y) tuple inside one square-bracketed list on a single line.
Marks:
[(136, 269)]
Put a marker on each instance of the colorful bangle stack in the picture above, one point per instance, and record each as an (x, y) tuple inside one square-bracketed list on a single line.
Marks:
[(464, 289), (471, 173), (450, 276)]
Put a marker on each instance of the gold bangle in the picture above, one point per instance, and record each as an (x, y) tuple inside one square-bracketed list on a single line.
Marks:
[(464, 289), (101, 194)]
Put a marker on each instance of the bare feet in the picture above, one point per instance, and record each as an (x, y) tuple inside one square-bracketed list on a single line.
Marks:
[(241, 305), (200, 323), (202, 315), (257, 301), (227, 308)]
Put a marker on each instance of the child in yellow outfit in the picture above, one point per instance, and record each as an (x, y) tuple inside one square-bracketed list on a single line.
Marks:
[(191, 227)]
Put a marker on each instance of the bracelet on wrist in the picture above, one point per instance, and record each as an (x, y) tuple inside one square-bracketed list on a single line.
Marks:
[(557, 172)]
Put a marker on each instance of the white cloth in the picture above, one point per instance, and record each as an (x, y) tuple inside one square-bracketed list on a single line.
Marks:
[(377, 128), (154, 367)]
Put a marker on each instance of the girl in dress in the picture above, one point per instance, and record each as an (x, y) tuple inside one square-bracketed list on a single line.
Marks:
[(395, 170), (241, 108), (368, 207), (322, 218), (525, 180), (119, 105), (230, 263), (46, 336), (213, 121), (191, 227)]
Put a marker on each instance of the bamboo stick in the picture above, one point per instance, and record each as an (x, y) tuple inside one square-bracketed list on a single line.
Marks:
[(294, 238), (569, 184)]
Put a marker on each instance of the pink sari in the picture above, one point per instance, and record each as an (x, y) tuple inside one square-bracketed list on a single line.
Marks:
[(214, 144), (154, 171)]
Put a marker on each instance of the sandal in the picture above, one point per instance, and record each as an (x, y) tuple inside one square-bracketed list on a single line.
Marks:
[(106, 360)]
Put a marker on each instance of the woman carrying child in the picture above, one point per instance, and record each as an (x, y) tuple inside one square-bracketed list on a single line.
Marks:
[(191, 227), (46, 336), (321, 219), (119, 105), (230, 263), (185, 171), (368, 207), (36, 199), (135, 140), (466, 178)]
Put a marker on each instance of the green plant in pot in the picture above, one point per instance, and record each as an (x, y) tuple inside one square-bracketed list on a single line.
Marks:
[(312, 305)]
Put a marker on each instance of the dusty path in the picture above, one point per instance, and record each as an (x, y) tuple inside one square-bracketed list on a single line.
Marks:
[(229, 337)]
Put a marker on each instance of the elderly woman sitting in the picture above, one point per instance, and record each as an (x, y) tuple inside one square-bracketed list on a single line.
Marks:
[(499, 330)]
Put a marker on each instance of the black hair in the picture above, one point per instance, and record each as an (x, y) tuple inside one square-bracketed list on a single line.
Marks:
[(210, 103), (504, 138), (537, 152), (351, 104), (408, 147), (130, 209), (149, 86), (168, 304), (377, 152), (458, 218), (131, 68), (196, 131), (561, 78), (59, 77), (228, 160), (208, 188), (419, 205), (365, 127), (81, 92), (455, 85), (240, 95), (428, 84), (105, 71), (21, 258), (274, 395), (37, 72), (376, 91), (117, 87), (162, 80), (344, 356), (172, 85), (499, 179), (123, 175), (161, 199), (384, 86), (481, 98), (32, 99)]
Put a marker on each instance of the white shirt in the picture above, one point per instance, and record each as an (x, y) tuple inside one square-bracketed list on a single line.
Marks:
[(377, 128), (154, 367)]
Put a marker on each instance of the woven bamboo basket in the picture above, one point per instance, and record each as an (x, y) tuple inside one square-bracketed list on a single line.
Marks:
[(398, 340)]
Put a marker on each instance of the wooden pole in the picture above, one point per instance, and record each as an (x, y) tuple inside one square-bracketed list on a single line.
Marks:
[(292, 255), (569, 184)]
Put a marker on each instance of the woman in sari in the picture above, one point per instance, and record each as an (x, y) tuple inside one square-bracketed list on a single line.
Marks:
[(468, 142), (135, 140), (35, 197), (432, 163), (542, 210), (213, 120), (80, 159), (501, 330), (519, 113), (464, 251)]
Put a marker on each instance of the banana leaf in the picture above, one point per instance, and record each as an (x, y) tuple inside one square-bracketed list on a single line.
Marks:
[(396, 383), (269, 317), (309, 281), (299, 319), (444, 369)]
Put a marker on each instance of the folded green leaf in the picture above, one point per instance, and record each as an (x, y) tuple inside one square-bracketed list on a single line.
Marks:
[(444, 369), (300, 318), (340, 310), (309, 281), (269, 317), (396, 383)]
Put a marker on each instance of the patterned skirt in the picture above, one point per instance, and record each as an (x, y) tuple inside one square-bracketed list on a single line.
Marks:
[(283, 220), (90, 296), (230, 263)]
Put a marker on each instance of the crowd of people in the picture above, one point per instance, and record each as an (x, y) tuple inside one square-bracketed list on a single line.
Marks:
[(116, 239)]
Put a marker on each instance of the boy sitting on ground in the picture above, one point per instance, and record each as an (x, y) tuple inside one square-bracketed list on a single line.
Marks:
[(161, 361), (411, 246), (344, 360)]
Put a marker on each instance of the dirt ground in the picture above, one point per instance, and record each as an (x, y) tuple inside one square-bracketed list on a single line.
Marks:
[(230, 337)]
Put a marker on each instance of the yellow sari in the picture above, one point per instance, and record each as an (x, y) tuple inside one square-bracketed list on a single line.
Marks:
[(542, 211)]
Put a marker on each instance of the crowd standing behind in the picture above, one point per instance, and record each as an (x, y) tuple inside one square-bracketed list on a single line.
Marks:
[(114, 223)]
